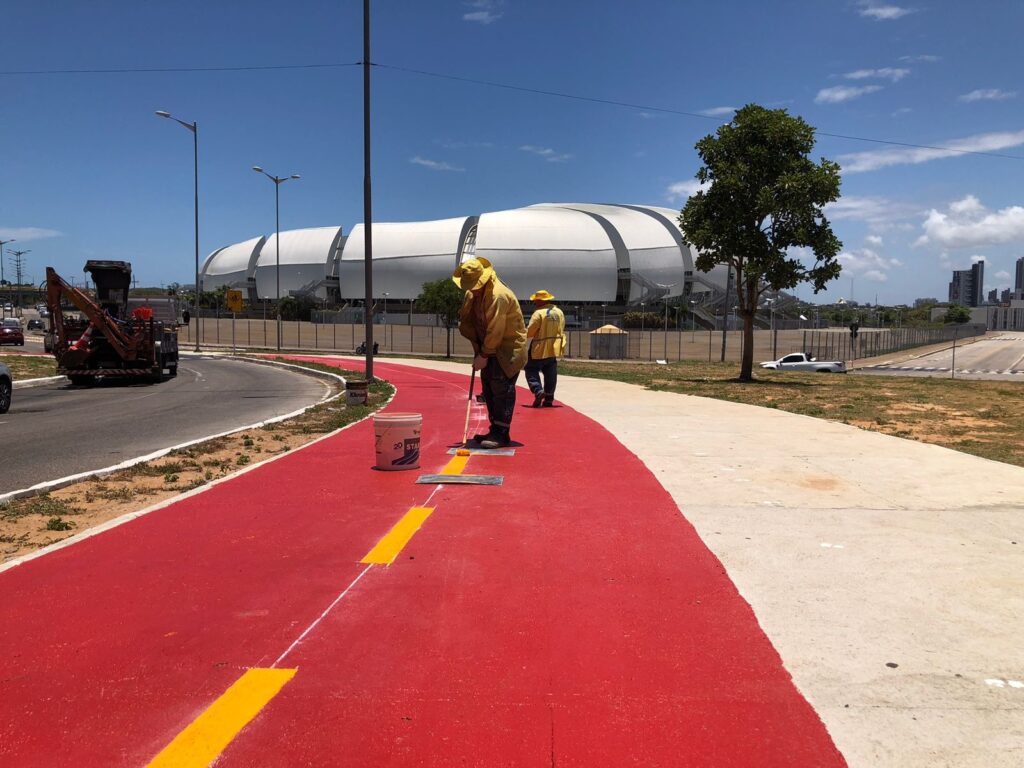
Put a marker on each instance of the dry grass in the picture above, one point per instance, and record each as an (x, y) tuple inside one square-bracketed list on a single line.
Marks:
[(30, 366), (984, 418)]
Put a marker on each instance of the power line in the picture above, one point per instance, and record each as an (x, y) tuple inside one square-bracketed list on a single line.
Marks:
[(151, 70), (684, 113), (487, 83)]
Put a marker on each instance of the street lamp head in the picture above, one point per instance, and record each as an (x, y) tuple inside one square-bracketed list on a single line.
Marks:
[(295, 176), (161, 113), (257, 169)]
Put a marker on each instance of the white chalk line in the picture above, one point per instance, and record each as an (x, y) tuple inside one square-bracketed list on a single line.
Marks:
[(321, 617), (337, 600)]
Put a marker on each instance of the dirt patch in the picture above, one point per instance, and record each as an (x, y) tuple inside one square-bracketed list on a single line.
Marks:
[(819, 483)]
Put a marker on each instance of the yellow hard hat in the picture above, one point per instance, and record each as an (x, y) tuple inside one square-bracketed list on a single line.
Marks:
[(541, 295), (469, 275)]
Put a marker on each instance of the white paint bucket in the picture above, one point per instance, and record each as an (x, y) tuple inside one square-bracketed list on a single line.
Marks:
[(397, 440)]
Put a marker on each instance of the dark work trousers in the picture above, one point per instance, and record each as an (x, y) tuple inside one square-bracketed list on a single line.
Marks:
[(546, 366), (499, 394)]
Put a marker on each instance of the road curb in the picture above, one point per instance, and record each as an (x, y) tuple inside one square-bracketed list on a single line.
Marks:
[(30, 383), (62, 482)]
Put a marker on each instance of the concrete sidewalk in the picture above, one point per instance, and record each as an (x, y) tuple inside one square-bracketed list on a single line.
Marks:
[(889, 574)]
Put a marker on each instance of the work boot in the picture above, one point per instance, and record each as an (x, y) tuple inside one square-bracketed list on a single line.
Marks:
[(549, 401), (497, 439), (484, 436), (538, 398)]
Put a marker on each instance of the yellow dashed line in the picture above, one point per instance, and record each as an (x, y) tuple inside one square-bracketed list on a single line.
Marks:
[(455, 466), (207, 736), (387, 549)]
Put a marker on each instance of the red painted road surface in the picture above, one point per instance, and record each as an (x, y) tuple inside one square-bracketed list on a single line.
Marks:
[(570, 617)]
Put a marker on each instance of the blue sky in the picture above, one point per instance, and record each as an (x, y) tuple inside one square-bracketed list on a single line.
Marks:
[(88, 171)]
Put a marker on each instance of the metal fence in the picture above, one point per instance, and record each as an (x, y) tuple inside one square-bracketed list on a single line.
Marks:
[(644, 345), (840, 345)]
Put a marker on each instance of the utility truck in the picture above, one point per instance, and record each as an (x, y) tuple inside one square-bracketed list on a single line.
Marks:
[(799, 361), (108, 339)]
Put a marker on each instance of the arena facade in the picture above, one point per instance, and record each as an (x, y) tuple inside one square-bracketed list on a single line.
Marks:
[(582, 252)]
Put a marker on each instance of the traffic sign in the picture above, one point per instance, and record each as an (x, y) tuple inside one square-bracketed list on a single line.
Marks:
[(234, 300)]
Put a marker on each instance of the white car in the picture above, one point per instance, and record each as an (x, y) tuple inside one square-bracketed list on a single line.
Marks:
[(798, 361)]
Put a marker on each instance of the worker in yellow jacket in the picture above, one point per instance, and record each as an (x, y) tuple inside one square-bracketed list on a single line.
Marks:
[(493, 322), (546, 333)]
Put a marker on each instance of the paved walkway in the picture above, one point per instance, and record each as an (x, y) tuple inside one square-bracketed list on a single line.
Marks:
[(570, 616)]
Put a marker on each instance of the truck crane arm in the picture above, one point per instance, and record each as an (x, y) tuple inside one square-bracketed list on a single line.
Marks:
[(56, 287)]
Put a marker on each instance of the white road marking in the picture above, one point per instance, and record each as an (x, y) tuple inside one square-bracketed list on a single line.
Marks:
[(320, 618)]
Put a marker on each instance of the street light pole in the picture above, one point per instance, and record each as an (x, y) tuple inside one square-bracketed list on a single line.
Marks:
[(3, 310), (194, 127), (278, 181)]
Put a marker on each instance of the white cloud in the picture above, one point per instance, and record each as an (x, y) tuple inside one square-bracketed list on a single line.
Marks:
[(969, 224), (487, 11), (434, 165), (546, 152), (684, 189), (925, 57), (969, 206), (718, 111), (895, 74), (988, 94), (877, 211), (837, 94), (875, 240), (646, 115), (1003, 275), (23, 234), (873, 10), (902, 111), (868, 264), (872, 160), (976, 258), (466, 144)]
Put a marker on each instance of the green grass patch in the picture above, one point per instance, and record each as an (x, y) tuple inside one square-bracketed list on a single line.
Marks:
[(43, 504), (28, 367)]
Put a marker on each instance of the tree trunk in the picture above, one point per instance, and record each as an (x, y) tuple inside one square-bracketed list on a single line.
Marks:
[(447, 342), (747, 365)]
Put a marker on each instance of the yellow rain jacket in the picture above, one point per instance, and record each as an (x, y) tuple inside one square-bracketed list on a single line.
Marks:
[(493, 323), (547, 333)]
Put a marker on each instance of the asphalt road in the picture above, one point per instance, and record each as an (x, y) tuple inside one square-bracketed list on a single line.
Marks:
[(57, 430), (998, 358)]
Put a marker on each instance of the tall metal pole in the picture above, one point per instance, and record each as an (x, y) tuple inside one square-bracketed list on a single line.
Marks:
[(3, 310), (2, 244), (277, 243), (195, 147), (367, 196)]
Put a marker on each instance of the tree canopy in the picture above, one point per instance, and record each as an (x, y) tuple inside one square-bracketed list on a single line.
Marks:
[(762, 198), (957, 313), (444, 299)]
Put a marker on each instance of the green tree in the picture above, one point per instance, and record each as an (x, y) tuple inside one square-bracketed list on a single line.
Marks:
[(957, 313), (444, 299), (297, 308), (764, 195)]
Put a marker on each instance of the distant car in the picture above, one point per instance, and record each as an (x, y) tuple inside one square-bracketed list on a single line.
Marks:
[(6, 385), (35, 324), (11, 333), (798, 361)]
